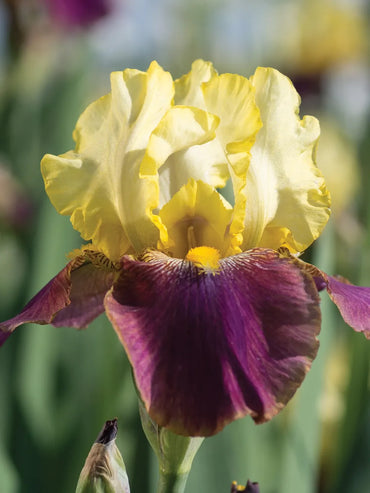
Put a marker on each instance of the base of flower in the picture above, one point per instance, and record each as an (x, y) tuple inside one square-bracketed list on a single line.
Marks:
[(175, 453), (172, 482)]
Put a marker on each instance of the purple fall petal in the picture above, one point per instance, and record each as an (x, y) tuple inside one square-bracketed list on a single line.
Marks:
[(89, 287), (73, 298), (207, 348), (42, 307), (320, 281), (3, 336), (353, 303)]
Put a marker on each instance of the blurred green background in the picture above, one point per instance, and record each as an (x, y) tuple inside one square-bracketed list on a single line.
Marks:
[(58, 386)]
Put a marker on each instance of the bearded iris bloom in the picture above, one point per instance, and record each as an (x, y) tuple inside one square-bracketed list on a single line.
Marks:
[(218, 315)]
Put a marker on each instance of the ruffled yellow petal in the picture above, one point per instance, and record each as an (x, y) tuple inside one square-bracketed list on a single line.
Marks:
[(178, 132), (207, 162), (204, 162), (231, 98), (99, 184), (286, 198), (196, 216), (150, 155), (188, 89)]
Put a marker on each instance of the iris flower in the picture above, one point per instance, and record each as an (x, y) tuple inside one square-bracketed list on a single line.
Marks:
[(218, 315)]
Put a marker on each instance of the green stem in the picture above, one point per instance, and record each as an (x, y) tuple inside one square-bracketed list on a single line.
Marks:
[(172, 482), (175, 453)]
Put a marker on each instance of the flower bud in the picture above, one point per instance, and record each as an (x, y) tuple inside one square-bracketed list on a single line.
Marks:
[(104, 470)]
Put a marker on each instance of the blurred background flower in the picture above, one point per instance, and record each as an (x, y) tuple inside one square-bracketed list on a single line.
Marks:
[(15, 206), (70, 13), (56, 384)]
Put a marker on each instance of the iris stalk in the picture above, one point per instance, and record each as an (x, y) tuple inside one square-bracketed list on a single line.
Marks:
[(175, 453)]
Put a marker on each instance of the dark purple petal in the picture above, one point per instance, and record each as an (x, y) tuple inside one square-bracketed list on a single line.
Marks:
[(42, 307), (353, 303), (89, 287), (3, 337), (320, 282), (73, 298), (207, 348)]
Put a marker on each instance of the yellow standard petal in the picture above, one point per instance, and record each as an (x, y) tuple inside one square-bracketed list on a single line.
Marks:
[(99, 183), (287, 202), (196, 216), (205, 162), (188, 89), (181, 129), (231, 98)]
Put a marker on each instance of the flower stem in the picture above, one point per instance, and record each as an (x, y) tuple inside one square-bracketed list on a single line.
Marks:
[(172, 482), (175, 453)]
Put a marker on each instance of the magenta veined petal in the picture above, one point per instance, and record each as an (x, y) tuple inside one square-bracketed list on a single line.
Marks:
[(73, 298), (43, 306), (207, 348), (89, 287), (353, 303)]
